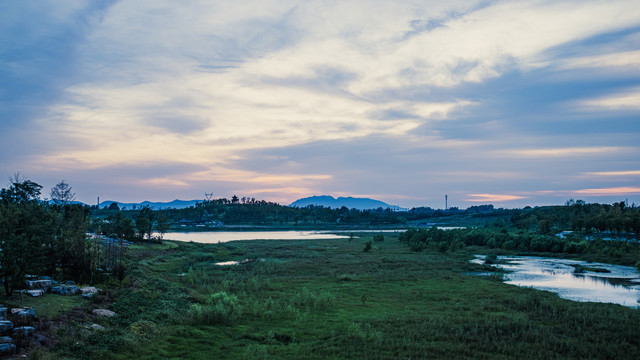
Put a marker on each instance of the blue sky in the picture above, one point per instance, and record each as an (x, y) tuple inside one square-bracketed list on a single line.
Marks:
[(507, 102)]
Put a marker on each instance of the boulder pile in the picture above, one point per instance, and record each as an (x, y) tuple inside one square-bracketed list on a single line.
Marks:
[(8, 332), (45, 284)]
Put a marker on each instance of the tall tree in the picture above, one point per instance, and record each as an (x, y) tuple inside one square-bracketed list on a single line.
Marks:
[(20, 190), (62, 193), (162, 224), (25, 225), (144, 223)]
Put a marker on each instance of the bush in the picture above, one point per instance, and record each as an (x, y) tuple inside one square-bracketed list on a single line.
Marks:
[(490, 259), (255, 352), (378, 238), (363, 332), (307, 298), (367, 246), (144, 329), (220, 308)]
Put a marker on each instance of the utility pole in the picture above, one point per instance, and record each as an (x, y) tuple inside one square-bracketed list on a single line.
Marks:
[(446, 202)]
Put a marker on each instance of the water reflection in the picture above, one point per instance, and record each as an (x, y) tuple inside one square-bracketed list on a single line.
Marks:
[(213, 237), (597, 283)]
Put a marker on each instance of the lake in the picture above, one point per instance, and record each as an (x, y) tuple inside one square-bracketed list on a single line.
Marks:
[(593, 282), (214, 237)]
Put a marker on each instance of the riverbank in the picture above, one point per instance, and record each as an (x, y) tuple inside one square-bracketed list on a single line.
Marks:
[(330, 299)]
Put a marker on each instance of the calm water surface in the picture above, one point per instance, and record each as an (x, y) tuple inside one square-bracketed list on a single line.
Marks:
[(213, 237), (208, 237), (619, 285)]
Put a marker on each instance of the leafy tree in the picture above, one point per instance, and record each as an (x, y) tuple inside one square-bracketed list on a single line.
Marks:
[(62, 193), (162, 224), (20, 190), (73, 249), (25, 225), (144, 223)]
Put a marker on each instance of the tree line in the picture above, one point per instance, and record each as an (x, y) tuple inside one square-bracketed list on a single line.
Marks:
[(617, 218), (524, 241), (49, 238)]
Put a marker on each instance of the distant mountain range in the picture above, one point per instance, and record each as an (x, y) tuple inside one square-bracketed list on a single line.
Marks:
[(349, 202), (175, 204), (325, 200)]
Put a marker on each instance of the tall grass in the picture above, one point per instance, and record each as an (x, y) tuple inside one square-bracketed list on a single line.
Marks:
[(308, 304), (220, 308)]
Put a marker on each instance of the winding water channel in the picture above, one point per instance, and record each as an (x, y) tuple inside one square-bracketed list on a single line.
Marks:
[(573, 279)]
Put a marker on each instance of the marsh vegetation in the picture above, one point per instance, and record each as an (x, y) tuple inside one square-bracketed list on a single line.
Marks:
[(330, 299)]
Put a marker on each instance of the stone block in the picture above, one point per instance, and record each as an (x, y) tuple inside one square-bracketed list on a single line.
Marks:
[(5, 325), (35, 292), (7, 349), (104, 313), (24, 330)]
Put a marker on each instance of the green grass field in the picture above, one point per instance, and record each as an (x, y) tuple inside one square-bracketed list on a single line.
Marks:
[(48, 306), (329, 299)]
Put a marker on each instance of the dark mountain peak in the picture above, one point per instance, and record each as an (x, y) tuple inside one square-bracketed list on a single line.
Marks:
[(349, 202)]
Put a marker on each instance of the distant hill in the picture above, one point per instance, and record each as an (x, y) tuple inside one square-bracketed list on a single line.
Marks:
[(175, 204), (349, 202)]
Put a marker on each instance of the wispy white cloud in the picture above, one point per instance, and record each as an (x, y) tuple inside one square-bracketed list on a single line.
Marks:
[(617, 191), (565, 152), (622, 59), (615, 173), (493, 198), (627, 100)]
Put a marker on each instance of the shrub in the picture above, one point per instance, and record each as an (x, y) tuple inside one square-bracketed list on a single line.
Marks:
[(490, 259), (220, 308), (364, 332), (367, 246), (307, 298), (255, 352), (144, 329)]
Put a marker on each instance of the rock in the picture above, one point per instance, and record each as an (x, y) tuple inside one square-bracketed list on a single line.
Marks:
[(60, 290), (6, 340), (3, 311), (7, 348), (24, 312), (89, 291), (5, 325), (104, 313), (39, 284), (65, 290), (96, 327), (24, 330), (35, 293)]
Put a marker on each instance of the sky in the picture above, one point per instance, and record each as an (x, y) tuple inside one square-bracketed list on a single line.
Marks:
[(511, 103)]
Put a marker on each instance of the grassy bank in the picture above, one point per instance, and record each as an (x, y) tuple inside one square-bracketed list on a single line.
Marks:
[(329, 299)]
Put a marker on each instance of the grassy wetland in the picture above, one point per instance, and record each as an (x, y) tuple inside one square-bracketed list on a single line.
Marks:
[(331, 299)]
